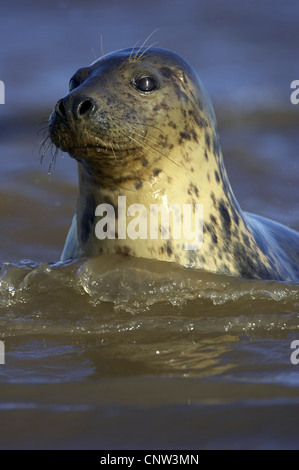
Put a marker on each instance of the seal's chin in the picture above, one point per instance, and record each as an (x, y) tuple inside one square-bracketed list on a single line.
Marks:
[(105, 166)]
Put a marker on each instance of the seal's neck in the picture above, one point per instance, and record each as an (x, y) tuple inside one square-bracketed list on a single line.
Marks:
[(199, 182)]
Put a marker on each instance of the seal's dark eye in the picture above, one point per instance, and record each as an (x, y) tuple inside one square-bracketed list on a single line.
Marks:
[(146, 84), (74, 83)]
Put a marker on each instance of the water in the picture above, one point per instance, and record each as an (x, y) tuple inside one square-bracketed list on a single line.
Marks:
[(128, 353), (115, 352)]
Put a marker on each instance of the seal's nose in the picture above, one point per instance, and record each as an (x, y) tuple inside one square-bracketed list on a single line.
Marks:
[(78, 107)]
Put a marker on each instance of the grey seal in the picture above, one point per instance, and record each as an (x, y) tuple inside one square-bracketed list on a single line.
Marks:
[(141, 125)]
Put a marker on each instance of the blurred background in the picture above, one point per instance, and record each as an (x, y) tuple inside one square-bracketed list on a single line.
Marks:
[(246, 54)]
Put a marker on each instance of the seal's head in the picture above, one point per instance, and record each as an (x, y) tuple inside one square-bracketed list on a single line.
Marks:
[(126, 111), (141, 125)]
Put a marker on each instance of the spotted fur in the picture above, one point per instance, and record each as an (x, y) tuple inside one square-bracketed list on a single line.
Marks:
[(160, 147)]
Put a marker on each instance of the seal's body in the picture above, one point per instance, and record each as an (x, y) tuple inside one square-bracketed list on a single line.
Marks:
[(142, 126)]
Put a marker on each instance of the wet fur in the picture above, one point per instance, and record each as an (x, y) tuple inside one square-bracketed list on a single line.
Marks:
[(162, 146)]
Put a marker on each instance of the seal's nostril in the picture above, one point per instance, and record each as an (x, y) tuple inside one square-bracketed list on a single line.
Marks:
[(84, 107), (60, 109)]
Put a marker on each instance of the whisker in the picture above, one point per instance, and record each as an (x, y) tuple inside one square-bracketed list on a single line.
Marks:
[(150, 146), (133, 49), (127, 189), (146, 49), (151, 137), (46, 146), (113, 152), (102, 48), (140, 123), (94, 53), (144, 42), (44, 151), (53, 161), (140, 143), (134, 131), (42, 129)]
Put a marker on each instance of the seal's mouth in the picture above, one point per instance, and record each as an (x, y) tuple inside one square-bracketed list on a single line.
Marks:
[(79, 141), (109, 166), (83, 144), (84, 148), (111, 151)]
